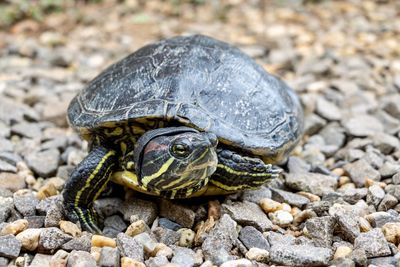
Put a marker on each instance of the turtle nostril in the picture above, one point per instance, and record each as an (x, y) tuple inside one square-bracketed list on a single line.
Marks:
[(213, 139)]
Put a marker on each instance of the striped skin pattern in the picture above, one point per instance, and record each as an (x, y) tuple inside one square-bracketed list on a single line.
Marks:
[(165, 170)]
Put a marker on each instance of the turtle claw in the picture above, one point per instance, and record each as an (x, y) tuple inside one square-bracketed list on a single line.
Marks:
[(86, 217)]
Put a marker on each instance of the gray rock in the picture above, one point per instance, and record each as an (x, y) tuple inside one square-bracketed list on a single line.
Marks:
[(6, 145), (375, 195), (44, 163), (35, 221), (388, 169), (7, 167), (129, 247), (3, 262), (81, 259), (380, 218), (9, 246), (342, 262), (110, 206), (394, 190), (333, 134), (396, 178), (361, 125), (276, 239), (320, 229), (359, 257), (11, 181), (44, 205), (383, 261), (54, 215), (166, 236), (315, 183), (296, 164), (59, 143), (51, 239), (165, 223), (148, 242), (328, 110), (64, 171), (300, 255), (391, 104), (6, 206), (347, 222), (40, 260), (385, 143), (145, 210), (252, 238), (373, 243), (256, 195), (178, 213), (353, 195), (157, 261), (387, 203), (82, 243), (220, 241), (113, 225), (19, 111), (27, 129), (25, 202), (288, 197), (373, 157), (183, 257), (313, 123), (360, 170), (248, 214), (109, 257)]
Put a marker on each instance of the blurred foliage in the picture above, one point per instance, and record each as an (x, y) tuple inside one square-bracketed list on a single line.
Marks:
[(12, 11)]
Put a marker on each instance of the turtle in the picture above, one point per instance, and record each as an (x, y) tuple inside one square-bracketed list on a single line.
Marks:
[(184, 117)]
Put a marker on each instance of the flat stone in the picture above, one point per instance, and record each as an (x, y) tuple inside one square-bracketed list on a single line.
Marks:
[(165, 223), (6, 206), (328, 110), (109, 257), (347, 221), (386, 143), (7, 167), (147, 242), (19, 111), (35, 221), (6, 145), (362, 125), (248, 214), (113, 225), (380, 218), (289, 197), (129, 247), (52, 238), (252, 238), (177, 213), (145, 210), (219, 242), (183, 257), (44, 163), (166, 236), (81, 259), (318, 184), (256, 195), (388, 202), (276, 239), (333, 134), (375, 195), (373, 243), (110, 206), (27, 129), (300, 255), (10, 246), (313, 123), (82, 243), (11, 181), (25, 202), (360, 170), (296, 165), (156, 261), (54, 215), (40, 260), (388, 169), (320, 229)]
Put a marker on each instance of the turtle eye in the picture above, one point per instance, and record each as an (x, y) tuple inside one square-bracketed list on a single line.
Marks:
[(180, 150)]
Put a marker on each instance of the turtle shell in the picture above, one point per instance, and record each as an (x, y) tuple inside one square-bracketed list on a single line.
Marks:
[(200, 82)]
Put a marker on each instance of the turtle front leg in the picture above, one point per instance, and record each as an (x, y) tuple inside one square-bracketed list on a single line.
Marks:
[(86, 183), (236, 172)]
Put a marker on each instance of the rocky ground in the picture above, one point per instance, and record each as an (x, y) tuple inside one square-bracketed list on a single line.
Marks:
[(337, 201)]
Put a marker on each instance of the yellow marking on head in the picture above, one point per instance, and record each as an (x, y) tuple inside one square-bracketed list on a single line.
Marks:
[(91, 177), (161, 171), (130, 165), (123, 147)]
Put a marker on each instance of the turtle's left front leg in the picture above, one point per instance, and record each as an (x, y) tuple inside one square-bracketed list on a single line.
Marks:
[(86, 183), (236, 172)]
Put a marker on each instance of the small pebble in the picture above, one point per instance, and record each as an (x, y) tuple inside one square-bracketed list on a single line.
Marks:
[(128, 262), (391, 231), (136, 228), (14, 227), (311, 197), (29, 238), (187, 237), (102, 241), (257, 254), (237, 263), (269, 205), (342, 252), (70, 228), (281, 217)]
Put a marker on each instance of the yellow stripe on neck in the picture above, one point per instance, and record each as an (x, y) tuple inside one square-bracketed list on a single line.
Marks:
[(147, 179)]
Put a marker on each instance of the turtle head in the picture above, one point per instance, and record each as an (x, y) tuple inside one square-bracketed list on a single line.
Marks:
[(175, 160)]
